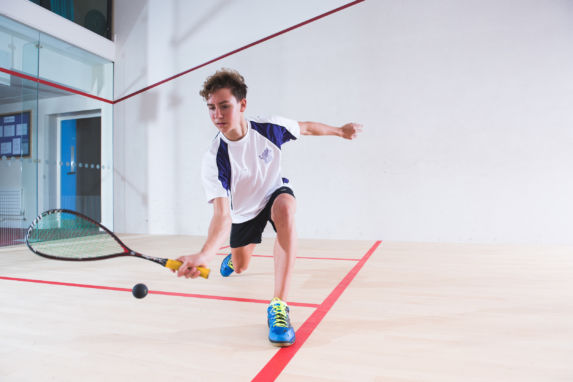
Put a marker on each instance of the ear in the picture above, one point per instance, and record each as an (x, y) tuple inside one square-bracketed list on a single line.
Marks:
[(243, 104)]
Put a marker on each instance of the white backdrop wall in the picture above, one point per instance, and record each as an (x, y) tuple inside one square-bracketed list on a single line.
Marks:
[(466, 107)]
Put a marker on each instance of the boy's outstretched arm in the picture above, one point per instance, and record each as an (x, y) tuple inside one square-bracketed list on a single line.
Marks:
[(219, 229), (347, 131)]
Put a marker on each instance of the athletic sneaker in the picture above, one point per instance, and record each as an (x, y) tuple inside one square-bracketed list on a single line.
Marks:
[(281, 332), (227, 266)]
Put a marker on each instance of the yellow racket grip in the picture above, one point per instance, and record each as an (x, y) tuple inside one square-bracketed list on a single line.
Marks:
[(175, 264)]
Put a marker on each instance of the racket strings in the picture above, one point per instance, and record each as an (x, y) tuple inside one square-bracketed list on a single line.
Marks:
[(69, 236)]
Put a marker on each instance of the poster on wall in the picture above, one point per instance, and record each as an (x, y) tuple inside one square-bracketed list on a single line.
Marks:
[(15, 134)]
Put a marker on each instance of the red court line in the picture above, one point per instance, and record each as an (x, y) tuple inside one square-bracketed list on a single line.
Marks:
[(75, 91), (282, 357), (54, 85), (240, 49), (301, 257), (236, 299), (177, 294)]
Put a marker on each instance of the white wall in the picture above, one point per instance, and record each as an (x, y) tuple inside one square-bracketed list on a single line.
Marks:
[(466, 107)]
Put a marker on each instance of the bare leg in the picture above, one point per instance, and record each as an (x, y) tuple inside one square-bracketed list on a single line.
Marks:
[(284, 253), (241, 257)]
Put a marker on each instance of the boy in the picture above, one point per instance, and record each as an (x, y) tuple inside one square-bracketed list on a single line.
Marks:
[(242, 179)]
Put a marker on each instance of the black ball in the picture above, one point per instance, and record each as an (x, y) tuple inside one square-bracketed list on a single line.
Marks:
[(139, 291)]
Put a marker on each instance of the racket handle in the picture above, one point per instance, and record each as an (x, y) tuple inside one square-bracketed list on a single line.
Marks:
[(175, 264)]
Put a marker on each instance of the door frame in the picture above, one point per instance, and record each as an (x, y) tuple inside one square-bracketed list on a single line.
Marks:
[(59, 119)]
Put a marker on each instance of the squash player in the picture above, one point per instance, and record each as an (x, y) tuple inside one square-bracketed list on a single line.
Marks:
[(241, 174)]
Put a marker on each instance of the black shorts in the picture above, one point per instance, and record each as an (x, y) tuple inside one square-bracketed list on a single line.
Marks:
[(251, 231)]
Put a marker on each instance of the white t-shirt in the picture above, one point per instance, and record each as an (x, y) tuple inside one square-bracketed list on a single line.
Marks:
[(248, 171)]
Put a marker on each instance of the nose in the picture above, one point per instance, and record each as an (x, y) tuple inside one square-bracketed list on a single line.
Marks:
[(217, 114)]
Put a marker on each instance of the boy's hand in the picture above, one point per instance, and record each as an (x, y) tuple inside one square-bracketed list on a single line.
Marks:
[(351, 130), (189, 267)]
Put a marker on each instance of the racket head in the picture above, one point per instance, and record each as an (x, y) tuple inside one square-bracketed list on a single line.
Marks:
[(63, 234)]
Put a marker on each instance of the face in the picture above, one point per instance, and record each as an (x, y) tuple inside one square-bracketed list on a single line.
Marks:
[(226, 112)]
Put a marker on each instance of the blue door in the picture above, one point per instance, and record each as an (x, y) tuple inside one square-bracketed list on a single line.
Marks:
[(68, 179)]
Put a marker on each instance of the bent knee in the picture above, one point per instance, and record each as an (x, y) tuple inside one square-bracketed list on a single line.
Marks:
[(241, 258), (283, 210)]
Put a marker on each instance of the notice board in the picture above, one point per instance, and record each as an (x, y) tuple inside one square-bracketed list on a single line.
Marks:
[(15, 134)]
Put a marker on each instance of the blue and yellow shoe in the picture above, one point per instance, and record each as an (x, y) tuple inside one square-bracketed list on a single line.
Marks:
[(281, 332), (227, 266)]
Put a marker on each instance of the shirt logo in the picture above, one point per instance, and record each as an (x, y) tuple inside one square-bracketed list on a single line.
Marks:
[(266, 156)]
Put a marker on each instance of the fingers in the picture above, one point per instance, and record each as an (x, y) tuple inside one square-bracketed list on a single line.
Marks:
[(352, 130), (192, 273), (186, 269), (357, 128)]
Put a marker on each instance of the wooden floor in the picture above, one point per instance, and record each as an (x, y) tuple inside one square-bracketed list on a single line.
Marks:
[(393, 312)]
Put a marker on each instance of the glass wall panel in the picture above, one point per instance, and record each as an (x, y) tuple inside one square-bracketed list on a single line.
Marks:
[(84, 71), (75, 154), (18, 168), (18, 49), (55, 144), (18, 129)]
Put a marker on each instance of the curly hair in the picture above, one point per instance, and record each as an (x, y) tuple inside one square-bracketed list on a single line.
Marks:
[(225, 78)]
